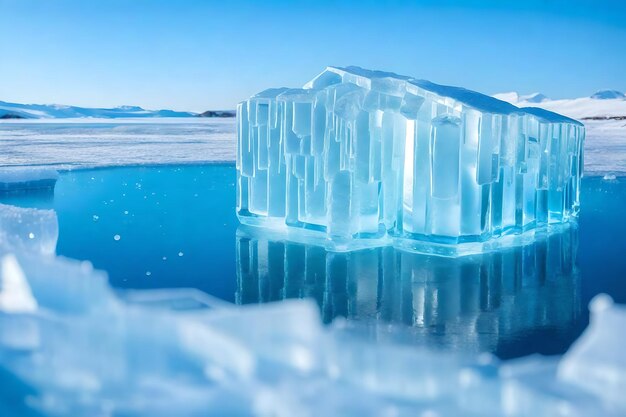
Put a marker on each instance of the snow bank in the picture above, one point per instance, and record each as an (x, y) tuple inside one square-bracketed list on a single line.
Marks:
[(70, 346)]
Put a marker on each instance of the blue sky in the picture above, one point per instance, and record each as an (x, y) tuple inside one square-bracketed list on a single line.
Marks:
[(198, 55)]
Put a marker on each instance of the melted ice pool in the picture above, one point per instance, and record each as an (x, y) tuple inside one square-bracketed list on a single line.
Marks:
[(175, 226)]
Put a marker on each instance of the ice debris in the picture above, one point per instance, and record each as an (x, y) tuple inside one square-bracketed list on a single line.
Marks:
[(69, 345), (367, 154)]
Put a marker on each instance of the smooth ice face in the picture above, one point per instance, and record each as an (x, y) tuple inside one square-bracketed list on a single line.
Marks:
[(363, 154)]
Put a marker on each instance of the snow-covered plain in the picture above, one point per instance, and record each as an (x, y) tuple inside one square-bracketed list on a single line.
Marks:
[(83, 143), (48, 111)]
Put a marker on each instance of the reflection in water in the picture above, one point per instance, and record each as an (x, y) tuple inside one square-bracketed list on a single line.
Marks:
[(507, 302)]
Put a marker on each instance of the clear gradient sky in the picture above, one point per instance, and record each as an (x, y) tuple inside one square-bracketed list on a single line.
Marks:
[(197, 55)]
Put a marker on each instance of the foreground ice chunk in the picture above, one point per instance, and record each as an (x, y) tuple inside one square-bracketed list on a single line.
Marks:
[(361, 154), (28, 229), (597, 362), (15, 293)]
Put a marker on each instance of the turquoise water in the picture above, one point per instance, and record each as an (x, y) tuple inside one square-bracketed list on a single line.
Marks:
[(175, 226)]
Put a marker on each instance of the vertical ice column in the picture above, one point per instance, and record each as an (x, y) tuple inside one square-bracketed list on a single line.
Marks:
[(418, 148), (258, 131), (444, 165), (277, 170), (245, 160), (470, 193), (508, 171)]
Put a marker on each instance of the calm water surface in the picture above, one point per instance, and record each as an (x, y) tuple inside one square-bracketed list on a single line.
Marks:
[(177, 228)]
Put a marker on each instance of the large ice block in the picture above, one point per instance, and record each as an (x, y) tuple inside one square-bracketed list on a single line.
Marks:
[(367, 154)]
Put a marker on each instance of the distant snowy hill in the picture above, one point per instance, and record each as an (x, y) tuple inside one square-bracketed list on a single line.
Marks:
[(606, 104), (608, 94), (56, 111)]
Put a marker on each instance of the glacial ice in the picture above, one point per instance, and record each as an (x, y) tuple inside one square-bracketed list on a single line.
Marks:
[(87, 143), (368, 154), (21, 179), (70, 345)]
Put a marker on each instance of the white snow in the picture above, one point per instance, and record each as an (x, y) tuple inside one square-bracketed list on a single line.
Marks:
[(601, 104)]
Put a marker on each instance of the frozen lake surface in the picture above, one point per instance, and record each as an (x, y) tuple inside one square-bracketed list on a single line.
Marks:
[(175, 226), (67, 144), (74, 143)]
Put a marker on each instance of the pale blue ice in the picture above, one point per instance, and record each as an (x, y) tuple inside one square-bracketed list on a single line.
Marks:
[(370, 154)]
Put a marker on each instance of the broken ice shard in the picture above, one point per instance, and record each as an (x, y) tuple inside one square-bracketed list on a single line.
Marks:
[(367, 154)]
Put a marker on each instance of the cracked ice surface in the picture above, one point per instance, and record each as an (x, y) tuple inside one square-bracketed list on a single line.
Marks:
[(70, 346), (359, 153)]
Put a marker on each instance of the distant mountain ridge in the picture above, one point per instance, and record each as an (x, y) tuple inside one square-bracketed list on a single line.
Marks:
[(57, 111), (602, 105), (608, 94)]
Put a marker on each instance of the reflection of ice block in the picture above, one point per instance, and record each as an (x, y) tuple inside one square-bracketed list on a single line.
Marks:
[(364, 154), (485, 302)]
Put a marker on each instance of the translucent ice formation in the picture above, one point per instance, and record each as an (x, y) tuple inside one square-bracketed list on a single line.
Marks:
[(29, 229), (362, 154)]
